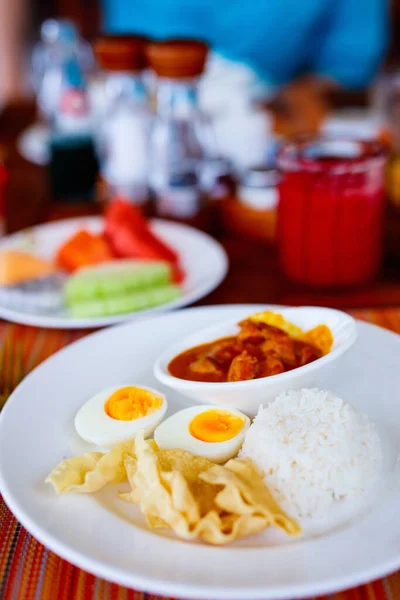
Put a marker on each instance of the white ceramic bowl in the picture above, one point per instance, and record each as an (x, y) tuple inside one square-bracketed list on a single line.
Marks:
[(248, 395)]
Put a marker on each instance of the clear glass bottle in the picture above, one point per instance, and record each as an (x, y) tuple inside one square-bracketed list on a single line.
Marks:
[(123, 134), (176, 152)]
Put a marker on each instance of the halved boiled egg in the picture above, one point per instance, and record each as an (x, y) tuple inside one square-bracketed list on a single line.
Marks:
[(117, 414), (209, 431)]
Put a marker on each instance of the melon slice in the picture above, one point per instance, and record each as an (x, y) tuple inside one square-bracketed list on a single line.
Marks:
[(17, 266)]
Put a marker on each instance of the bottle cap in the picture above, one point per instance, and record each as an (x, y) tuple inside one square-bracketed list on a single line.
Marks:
[(56, 30), (177, 59), (120, 52)]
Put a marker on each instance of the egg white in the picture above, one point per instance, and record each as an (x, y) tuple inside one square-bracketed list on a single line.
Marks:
[(174, 433), (93, 424)]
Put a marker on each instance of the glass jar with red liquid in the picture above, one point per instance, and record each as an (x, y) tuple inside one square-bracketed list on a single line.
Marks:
[(331, 211)]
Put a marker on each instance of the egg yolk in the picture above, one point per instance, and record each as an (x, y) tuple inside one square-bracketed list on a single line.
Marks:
[(129, 403), (216, 426)]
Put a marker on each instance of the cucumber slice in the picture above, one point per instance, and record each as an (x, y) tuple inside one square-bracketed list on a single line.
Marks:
[(126, 303), (115, 279)]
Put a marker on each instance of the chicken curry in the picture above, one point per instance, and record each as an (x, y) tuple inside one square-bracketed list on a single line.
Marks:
[(258, 350)]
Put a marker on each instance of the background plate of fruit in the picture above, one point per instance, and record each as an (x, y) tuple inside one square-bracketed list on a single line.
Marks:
[(97, 271)]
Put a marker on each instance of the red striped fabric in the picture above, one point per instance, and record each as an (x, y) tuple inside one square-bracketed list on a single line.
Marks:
[(28, 571)]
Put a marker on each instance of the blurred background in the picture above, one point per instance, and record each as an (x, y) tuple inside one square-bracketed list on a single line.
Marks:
[(274, 126)]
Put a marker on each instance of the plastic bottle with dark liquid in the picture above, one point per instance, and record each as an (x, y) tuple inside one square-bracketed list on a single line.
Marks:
[(73, 164)]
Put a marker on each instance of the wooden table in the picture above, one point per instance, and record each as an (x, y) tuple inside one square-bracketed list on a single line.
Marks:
[(28, 571)]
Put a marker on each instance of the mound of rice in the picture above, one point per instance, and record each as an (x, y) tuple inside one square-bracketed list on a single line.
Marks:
[(313, 449)]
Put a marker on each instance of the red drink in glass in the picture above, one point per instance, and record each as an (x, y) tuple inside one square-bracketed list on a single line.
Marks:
[(331, 211)]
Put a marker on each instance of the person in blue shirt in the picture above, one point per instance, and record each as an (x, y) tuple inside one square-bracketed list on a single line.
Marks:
[(297, 50), (338, 40), (299, 46)]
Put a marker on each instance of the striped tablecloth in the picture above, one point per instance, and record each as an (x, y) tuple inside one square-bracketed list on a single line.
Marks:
[(29, 571)]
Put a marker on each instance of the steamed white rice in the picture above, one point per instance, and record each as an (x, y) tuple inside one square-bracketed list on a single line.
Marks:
[(314, 449)]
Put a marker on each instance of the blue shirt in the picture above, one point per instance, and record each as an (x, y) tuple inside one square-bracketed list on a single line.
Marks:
[(279, 39)]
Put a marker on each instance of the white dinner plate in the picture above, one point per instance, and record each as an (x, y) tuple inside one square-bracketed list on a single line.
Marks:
[(203, 259), (109, 538)]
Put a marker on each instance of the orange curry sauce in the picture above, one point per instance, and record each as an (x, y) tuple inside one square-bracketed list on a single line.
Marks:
[(259, 350)]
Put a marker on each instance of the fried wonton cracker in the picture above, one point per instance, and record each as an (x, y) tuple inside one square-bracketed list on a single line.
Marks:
[(198, 499), (92, 471), (320, 336), (245, 493), (189, 494)]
